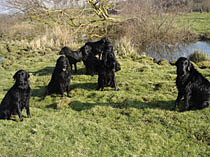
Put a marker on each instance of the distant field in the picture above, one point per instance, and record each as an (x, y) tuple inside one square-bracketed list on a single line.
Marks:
[(135, 121), (198, 23)]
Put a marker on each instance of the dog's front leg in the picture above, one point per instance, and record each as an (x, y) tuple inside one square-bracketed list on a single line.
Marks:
[(27, 104), (68, 91), (19, 111), (62, 93), (62, 90), (187, 98), (28, 110), (114, 81), (180, 95), (75, 67), (71, 67)]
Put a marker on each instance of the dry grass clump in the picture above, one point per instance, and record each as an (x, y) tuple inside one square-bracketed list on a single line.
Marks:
[(124, 47), (198, 56), (56, 37)]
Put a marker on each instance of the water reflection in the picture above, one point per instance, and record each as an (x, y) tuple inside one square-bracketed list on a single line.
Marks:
[(173, 52), (1, 59)]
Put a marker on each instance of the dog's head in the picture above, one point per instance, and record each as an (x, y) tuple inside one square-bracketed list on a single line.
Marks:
[(22, 79), (65, 50), (183, 65), (63, 63), (86, 51), (105, 40)]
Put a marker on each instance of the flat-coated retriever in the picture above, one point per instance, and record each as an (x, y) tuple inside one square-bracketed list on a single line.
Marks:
[(191, 85), (90, 60), (106, 70), (60, 80), (17, 97), (73, 56), (97, 47), (106, 75), (108, 54)]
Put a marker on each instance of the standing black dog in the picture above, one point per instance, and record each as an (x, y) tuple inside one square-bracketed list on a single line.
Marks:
[(97, 47), (73, 56), (90, 60), (60, 80), (17, 97), (89, 52), (191, 85)]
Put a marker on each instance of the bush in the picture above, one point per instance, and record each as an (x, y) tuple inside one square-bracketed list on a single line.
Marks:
[(198, 56), (124, 48)]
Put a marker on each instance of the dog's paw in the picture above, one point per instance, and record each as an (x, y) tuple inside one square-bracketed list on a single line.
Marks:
[(116, 89)]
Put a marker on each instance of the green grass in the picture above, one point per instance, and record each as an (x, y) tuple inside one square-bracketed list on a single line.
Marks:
[(135, 121), (197, 22)]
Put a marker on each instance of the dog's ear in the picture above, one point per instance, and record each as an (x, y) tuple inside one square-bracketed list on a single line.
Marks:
[(189, 66), (105, 40), (176, 63), (27, 75), (15, 75)]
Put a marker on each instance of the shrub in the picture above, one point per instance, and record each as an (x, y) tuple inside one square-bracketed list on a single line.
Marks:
[(198, 56), (124, 47)]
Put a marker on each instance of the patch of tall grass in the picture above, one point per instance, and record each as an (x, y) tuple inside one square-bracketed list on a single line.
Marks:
[(124, 48), (198, 56)]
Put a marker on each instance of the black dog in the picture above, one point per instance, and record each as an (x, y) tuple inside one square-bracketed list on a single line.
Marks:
[(106, 76), (60, 80), (90, 60), (17, 97), (97, 47), (106, 70), (191, 85), (108, 54), (73, 56)]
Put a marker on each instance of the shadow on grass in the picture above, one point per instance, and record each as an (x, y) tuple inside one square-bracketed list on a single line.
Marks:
[(53, 106), (49, 71), (80, 71), (44, 71), (38, 91), (163, 105), (86, 86)]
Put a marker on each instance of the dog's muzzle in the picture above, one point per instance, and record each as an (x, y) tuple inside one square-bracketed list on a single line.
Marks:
[(64, 68)]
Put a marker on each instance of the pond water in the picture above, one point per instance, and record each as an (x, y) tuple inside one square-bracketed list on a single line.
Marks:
[(173, 52), (1, 59)]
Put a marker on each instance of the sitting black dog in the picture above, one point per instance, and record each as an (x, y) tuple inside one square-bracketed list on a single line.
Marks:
[(73, 56), (60, 80), (191, 85), (106, 69), (17, 97), (106, 75)]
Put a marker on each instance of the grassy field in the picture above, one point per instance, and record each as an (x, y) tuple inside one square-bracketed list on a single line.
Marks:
[(197, 22), (135, 121)]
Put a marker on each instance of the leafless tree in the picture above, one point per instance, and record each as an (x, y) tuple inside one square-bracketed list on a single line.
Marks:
[(80, 15)]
